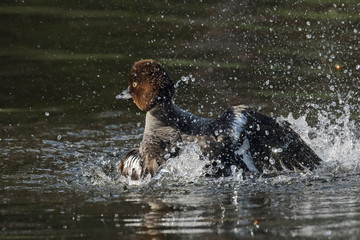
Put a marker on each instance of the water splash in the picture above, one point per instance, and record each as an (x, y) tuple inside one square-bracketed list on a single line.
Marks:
[(188, 166), (333, 138), (185, 79)]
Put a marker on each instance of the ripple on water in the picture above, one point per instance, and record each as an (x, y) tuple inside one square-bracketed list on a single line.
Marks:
[(81, 167)]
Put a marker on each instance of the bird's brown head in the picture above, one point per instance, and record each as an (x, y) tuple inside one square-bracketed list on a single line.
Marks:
[(149, 85)]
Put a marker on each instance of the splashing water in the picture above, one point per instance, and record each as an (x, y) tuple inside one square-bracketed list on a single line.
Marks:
[(336, 142), (184, 79), (188, 166), (333, 138)]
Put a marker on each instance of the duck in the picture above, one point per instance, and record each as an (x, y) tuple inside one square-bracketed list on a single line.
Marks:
[(240, 139)]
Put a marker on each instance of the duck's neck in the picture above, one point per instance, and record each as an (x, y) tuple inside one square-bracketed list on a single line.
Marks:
[(170, 115)]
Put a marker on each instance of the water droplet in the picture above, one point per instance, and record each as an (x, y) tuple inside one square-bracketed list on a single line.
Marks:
[(47, 114), (308, 36), (59, 137), (272, 161), (276, 150), (312, 135)]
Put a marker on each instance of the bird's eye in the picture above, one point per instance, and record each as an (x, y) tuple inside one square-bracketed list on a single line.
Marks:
[(134, 84)]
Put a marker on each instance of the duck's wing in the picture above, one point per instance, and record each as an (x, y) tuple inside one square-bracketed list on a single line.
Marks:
[(270, 144), (131, 164)]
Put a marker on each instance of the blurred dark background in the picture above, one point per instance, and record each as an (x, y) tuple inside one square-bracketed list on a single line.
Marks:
[(281, 56)]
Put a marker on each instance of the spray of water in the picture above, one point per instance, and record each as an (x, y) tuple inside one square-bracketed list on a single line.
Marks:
[(335, 138)]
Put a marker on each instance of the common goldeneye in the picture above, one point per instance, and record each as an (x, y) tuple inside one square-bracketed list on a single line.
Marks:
[(240, 138)]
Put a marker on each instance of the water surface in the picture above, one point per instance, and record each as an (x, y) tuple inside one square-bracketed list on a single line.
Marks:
[(62, 132)]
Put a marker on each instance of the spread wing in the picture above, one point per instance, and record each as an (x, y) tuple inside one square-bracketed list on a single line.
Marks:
[(273, 145)]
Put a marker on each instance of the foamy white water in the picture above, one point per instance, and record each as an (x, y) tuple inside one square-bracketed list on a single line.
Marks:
[(335, 141)]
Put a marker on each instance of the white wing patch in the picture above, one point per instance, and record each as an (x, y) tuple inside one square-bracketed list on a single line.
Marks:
[(238, 125), (244, 150), (246, 157)]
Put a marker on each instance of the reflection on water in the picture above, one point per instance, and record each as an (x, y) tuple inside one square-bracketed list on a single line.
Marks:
[(62, 132)]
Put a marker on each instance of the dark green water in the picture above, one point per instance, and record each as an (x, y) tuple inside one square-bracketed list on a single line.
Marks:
[(62, 131)]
